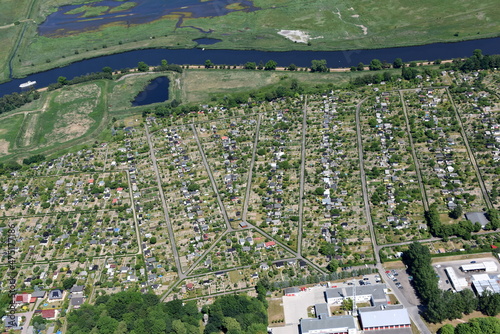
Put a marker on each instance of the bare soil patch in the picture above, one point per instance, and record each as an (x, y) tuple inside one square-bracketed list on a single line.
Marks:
[(4, 146)]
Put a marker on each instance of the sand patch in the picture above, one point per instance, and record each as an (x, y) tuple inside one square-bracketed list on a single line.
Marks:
[(4, 146), (296, 36), (355, 15)]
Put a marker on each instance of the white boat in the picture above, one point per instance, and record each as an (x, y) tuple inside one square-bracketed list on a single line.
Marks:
[(27, 84)]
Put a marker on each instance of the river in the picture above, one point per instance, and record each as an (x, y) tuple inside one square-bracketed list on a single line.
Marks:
[(236, 57)]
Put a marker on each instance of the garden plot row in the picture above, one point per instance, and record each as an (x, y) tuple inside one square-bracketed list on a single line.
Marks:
[(274, 199), (478, 111), (393, 187), (228, 146), (194, 213), (449, 178), (334, 222)]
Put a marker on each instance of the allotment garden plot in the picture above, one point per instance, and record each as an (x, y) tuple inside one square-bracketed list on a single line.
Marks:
[(228, 146), (393, 186), (449, 177), (275, 192), (194, 213), (333, 219), (478, 110)]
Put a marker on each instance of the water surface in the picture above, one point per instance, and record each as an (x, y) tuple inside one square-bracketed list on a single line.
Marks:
[(62, 22), (156, 91)]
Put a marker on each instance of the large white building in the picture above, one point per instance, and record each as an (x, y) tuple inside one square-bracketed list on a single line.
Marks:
[(458, 283), (374, 294), (487, 266), (384, 318), (342, 324)]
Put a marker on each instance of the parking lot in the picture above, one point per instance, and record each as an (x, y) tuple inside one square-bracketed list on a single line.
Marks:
[(403, 282)]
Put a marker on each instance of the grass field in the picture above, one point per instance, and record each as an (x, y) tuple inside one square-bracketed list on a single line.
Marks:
[(355, 24), (67, 117), (200, 85), (9, 129)]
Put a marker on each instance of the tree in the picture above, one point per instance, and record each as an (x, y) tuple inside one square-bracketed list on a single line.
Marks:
[(347, 304), (152, 240), (142, 66), (250, 65), (447, 329), (375, 65), (456, 212), (107, 69), (68, 283), (398, 62), (292, 67), (333, 266), (270, 65), (62, 80), (360, 66), (319, 65), (208, 63)]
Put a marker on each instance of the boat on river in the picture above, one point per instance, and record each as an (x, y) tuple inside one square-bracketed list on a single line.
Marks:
[(27, 84)]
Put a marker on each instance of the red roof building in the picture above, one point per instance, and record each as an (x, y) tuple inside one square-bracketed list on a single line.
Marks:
[(22, 298), (270, 244), (49, 314)]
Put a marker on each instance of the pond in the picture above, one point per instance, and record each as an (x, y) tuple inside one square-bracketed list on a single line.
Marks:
[(207, 41), (71, 19), (156, 91)]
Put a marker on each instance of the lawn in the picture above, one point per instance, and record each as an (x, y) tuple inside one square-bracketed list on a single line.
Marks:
[(200, 84), (357, 24)]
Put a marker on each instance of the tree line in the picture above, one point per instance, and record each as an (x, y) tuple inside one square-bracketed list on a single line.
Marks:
[(136, 313), (462, 229), (441, 305), (13, 101)]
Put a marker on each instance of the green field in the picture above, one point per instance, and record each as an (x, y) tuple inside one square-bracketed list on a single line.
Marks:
[(356, 24), (13, 17), (69, 116)]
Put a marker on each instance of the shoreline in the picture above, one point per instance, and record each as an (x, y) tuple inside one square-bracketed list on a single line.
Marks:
[(82, 57)]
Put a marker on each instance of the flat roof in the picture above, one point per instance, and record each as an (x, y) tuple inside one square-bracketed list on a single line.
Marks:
[(377, 291), (487, 266), (458, 283), (386, 317), (322, 309), (334, 324), (486, 285)]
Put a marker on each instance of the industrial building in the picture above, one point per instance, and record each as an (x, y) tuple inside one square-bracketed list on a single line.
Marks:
[(374, 294), (458, 283), (487, 266), (384, 318), (483, 282)]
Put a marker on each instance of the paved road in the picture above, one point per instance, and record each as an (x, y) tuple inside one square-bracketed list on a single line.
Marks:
[(469, 151), (425, 201), (302, 173), (250, 171), (165, 207)]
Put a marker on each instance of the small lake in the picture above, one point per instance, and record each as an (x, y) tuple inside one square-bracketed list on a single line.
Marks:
[(74, 19), (207, 41), (156, 91)]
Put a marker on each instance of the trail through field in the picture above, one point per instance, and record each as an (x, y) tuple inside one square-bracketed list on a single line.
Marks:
[(365, 29), (30, 129)]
